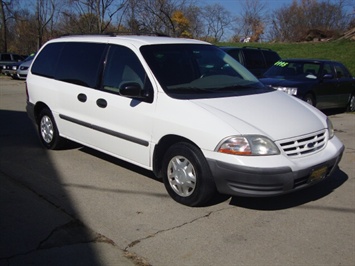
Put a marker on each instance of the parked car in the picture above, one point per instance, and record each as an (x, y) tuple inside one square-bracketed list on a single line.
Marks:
[(183, 109), (9, 58), (256, 60), (321, 83), (22, 70)]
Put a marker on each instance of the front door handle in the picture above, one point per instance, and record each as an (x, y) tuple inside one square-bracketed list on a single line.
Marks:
[(82, 97), (102, 103)]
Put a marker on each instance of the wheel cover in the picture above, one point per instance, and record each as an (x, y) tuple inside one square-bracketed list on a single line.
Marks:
[(46, 129), (182, 176), (309, 100), (352, 104)]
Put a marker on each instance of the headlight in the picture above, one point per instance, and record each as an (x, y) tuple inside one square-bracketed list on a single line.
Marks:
[(288, 90), (330, 128), (248, 145), (14, 67)]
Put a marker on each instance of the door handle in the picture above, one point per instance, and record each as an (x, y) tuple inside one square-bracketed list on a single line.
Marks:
[(102, 103), (82, 97)]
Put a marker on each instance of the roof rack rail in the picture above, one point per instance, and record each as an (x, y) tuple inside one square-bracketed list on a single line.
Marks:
[(259, 48), (113, 34)]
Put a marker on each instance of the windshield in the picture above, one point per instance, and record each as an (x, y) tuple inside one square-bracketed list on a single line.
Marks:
[(293, 70), (190, 69)]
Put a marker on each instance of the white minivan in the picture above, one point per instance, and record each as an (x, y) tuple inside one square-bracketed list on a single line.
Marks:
[(182, 108)]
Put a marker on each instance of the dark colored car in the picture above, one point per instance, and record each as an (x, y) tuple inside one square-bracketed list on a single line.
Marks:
[(256, 60), (322, 83), (9, 58)]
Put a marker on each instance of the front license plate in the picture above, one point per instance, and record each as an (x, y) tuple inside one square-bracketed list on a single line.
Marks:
[(318, 174)]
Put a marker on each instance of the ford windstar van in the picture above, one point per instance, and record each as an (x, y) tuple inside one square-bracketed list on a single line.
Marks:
[(183, 109)]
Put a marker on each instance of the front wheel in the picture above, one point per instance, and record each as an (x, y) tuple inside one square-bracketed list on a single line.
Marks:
[(187, 177), (48, 131), (309, 98), (351, 104)]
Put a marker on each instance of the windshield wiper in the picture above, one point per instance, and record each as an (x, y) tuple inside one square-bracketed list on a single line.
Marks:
[(190, 89), (236, 88)]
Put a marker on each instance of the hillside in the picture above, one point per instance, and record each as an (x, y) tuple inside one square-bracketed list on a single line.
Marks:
[(342, 50)]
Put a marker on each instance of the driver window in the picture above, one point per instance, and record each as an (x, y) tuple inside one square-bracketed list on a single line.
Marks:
[(123, 67), (327, 69)]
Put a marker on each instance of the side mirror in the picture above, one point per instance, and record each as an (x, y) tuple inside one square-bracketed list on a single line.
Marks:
[(132, 90), (328, 76)]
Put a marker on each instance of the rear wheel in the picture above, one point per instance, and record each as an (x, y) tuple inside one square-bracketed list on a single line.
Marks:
[(186, 175), (309, 98), (48, 131)]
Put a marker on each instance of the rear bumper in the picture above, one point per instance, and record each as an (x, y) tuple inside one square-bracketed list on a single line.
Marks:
[(236, 180), (30, 109)]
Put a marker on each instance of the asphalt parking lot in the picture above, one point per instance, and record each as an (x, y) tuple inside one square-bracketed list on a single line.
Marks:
[(79, 206)]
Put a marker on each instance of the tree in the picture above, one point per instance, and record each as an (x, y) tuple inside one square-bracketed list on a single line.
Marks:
[(294, 22), (182, 24), (158, 16), (96, 15), (217, 19), (7, 11), (44, 15), (253, 19)]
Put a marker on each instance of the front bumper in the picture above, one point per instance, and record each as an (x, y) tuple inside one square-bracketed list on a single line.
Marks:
[(9, 72), (237, 180)]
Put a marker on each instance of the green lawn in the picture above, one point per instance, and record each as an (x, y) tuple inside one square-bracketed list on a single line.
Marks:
[(343, 51)]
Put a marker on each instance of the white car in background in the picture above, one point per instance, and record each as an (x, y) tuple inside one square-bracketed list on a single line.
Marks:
[(22, 69)]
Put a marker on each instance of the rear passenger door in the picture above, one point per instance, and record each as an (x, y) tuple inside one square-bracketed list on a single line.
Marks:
[(91, 109)]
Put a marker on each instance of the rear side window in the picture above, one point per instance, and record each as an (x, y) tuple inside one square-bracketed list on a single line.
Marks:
[(235, 53), (5, 57), (341, 71), (72, 62), (45, 63), (81, 63), (253, 59), (17, 57)]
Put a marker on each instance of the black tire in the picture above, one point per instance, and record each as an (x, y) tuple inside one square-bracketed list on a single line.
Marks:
[(187, 176), (309, 98), (48, 131), (351, 104)]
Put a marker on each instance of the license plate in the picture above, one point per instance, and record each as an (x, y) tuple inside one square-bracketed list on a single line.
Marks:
[(318, 174)]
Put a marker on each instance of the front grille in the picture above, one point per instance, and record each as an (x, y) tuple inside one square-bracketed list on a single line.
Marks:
[(304, 145)]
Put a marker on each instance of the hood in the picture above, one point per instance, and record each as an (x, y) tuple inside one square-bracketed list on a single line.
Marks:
[(286, 82), (274, 114)]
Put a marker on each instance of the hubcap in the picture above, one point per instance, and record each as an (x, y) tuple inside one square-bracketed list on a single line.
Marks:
[(46, 129), (181, 176), (309, 100), (352, 104)]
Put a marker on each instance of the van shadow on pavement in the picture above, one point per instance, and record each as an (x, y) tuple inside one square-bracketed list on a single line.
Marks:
[(38, 222)]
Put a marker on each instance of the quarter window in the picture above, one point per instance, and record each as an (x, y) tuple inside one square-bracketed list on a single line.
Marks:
[(47, 59)]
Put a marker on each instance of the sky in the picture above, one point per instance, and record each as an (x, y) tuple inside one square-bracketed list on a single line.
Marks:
[(234, 6)]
